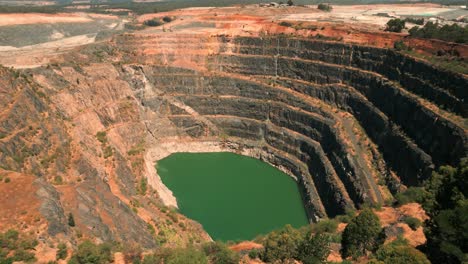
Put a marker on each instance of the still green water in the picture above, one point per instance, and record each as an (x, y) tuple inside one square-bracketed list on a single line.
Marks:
[(234, 197)]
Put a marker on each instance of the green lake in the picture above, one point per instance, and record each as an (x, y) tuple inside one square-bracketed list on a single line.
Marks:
[(234, 197)]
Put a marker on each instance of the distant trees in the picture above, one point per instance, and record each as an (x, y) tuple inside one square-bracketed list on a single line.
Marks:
[(452, 33), (290, 3), (395, 25), (324, 7), (153, 22), (361, 235)]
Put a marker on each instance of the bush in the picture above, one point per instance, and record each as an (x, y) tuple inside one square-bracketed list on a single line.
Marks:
[(313, 249), (132, 253), (285, 24), (71, 220), (281, 245), (361, 235), (143, 186), (324, 7), (412, 222), (218, 252), (153, 22), (15, 248), (61, 251), (400, 254), (186, 255), (102, 137), (395, 25), (411, 195), (90, 253), (167, 19), (400, 45), (325, 226), (417, 21)]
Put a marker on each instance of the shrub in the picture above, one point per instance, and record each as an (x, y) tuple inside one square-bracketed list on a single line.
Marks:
[(102, 137), (218, 252), (395, 25), (153, 22), (400, 45), (324, 7), (186, 255), (281, 245), (396, 253), (412, 222), (410, 195), (325, 226), (143, 186), (361, 235), (313, 249), (132, 253), (417, 21), (107, 152), (61, 251), (91, 253), (15, 248), (71, 220), (167, 19), (285, 24), (254, 253)]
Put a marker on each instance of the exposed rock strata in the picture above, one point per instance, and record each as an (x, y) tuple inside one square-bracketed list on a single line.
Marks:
[(352, 124)]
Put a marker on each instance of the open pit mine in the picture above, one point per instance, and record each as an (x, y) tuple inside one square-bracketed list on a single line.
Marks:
[(353, 122)]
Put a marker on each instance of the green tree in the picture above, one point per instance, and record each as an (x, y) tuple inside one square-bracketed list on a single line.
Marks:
[(281, 245), (361, 234), (395, 25), (447, 206), (313, 249), (397, 253), (71, 220)]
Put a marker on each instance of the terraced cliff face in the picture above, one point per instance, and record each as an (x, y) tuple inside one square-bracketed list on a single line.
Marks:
[(352, 124)]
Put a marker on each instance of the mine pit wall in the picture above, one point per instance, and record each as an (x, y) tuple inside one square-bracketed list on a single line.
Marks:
[(325, 63), (276, 90), (248, 110)]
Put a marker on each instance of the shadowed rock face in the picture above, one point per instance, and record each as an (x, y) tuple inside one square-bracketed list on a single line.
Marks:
[(351, 123)]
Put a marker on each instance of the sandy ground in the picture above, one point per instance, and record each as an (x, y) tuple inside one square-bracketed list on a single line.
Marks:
[(367, 13), (40, 54), (36, 18)]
